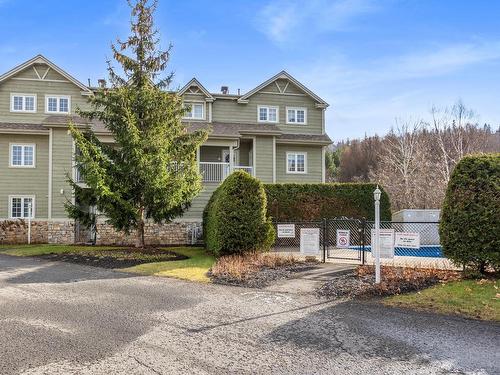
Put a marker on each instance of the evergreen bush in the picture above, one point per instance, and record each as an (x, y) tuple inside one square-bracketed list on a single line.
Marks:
[(470, 219), (235, 219)]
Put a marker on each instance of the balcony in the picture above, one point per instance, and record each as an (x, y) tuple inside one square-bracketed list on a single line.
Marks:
[(214, 160), (218, 171)]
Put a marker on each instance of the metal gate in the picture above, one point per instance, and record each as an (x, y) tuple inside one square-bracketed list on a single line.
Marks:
[(332, 238), (344, 239)]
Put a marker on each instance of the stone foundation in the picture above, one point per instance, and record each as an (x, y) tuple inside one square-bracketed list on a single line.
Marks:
[(63, 232), (16, 231), (176, 233)]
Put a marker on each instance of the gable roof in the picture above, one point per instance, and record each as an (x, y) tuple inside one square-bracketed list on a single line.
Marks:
[(195, 82), (284, 75), (39, 59)]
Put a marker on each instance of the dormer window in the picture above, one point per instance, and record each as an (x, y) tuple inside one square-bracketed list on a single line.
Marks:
[(194, 111), (267, 114), (57, 104), (23, 103), (296, 116)]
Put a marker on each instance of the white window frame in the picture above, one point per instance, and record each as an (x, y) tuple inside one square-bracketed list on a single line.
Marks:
[(12, 95), (296, 153), (23, 197), (267, 107), (295, 109), (192, 103), (58, 98), (23, 145)]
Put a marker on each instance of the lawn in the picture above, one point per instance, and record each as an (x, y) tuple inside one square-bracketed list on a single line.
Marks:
[(478, 299), (194, 268)]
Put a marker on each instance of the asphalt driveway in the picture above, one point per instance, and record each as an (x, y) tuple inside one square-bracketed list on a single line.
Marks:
[(61, 318)]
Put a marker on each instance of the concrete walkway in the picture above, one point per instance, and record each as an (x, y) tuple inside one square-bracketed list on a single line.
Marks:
[(306, 282)]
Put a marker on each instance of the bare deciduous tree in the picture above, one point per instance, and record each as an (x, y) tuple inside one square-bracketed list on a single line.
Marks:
[(399, 162), (456, 134), (414, 161)]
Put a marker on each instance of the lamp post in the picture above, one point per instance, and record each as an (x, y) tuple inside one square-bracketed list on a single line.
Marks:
[(29, 222), (376, 197)]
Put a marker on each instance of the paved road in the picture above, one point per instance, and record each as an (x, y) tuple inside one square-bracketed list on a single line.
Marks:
[(60, 318)]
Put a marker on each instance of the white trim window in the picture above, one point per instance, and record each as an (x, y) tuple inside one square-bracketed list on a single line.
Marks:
[(296, 115), (296, 162), (57, 104), (23, 103), (267, 113), (22, 155), (194, 111), (19, 206)]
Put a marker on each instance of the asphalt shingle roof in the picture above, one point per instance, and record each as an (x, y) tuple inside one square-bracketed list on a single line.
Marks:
[(221, 129), (21, 126)]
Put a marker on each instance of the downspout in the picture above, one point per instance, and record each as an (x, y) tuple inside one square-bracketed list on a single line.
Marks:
[(274, 159), (49, 196)]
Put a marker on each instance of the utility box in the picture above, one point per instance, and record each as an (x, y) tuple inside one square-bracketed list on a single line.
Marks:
[(415, 220), (416, 215)]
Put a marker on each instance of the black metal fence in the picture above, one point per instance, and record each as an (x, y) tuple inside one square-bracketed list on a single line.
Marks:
[(351, 239)]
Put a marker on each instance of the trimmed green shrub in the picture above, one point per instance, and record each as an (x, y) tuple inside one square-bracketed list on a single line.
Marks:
[(309, 202), (470, 219), (235, 220)]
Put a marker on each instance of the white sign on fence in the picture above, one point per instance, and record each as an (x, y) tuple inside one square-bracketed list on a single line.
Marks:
[(343, 238), (407, 239), (309, 241), (386, 243), (286, 230)]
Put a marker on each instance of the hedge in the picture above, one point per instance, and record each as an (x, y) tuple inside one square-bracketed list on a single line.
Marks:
[(234, 220), (470, 218), (310, 202)]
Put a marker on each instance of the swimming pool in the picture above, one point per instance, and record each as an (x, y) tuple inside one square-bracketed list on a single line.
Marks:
[(425, 251)]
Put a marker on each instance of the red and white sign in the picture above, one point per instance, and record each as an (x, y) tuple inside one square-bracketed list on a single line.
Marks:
[(343, 238)]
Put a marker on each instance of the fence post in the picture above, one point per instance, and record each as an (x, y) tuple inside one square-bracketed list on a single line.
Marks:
[(325, 238), (363, 227)]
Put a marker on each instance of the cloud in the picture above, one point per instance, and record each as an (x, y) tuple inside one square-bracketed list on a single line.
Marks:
[(366, 95), (346, 74), (283, 21)]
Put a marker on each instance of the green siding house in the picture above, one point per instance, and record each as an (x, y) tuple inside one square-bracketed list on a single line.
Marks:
[(275, 132)]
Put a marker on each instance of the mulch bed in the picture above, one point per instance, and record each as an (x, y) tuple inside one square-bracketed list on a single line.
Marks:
[(395, 280), (265, 276), (121, 258)]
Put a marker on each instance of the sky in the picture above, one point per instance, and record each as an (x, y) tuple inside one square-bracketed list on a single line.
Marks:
[(372, 61)]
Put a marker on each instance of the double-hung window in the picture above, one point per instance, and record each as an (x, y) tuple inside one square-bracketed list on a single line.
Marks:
[(21, 207), (23, 103), (267, 113), (57, 104), (296, 162), (22, 155), (296, 116), (195, 111)]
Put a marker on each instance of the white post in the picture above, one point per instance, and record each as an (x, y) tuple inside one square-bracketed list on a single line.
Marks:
[(376, 195), (29, 223), (231, 159)]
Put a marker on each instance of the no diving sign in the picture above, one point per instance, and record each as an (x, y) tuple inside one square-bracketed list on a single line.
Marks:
[(343, 238)]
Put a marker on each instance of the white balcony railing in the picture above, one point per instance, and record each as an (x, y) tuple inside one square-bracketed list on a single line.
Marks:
[(244, 168), (217, 171), (210, 171)]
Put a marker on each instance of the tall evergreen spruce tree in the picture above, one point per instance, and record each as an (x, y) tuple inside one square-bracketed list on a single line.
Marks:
[(151, 170)]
